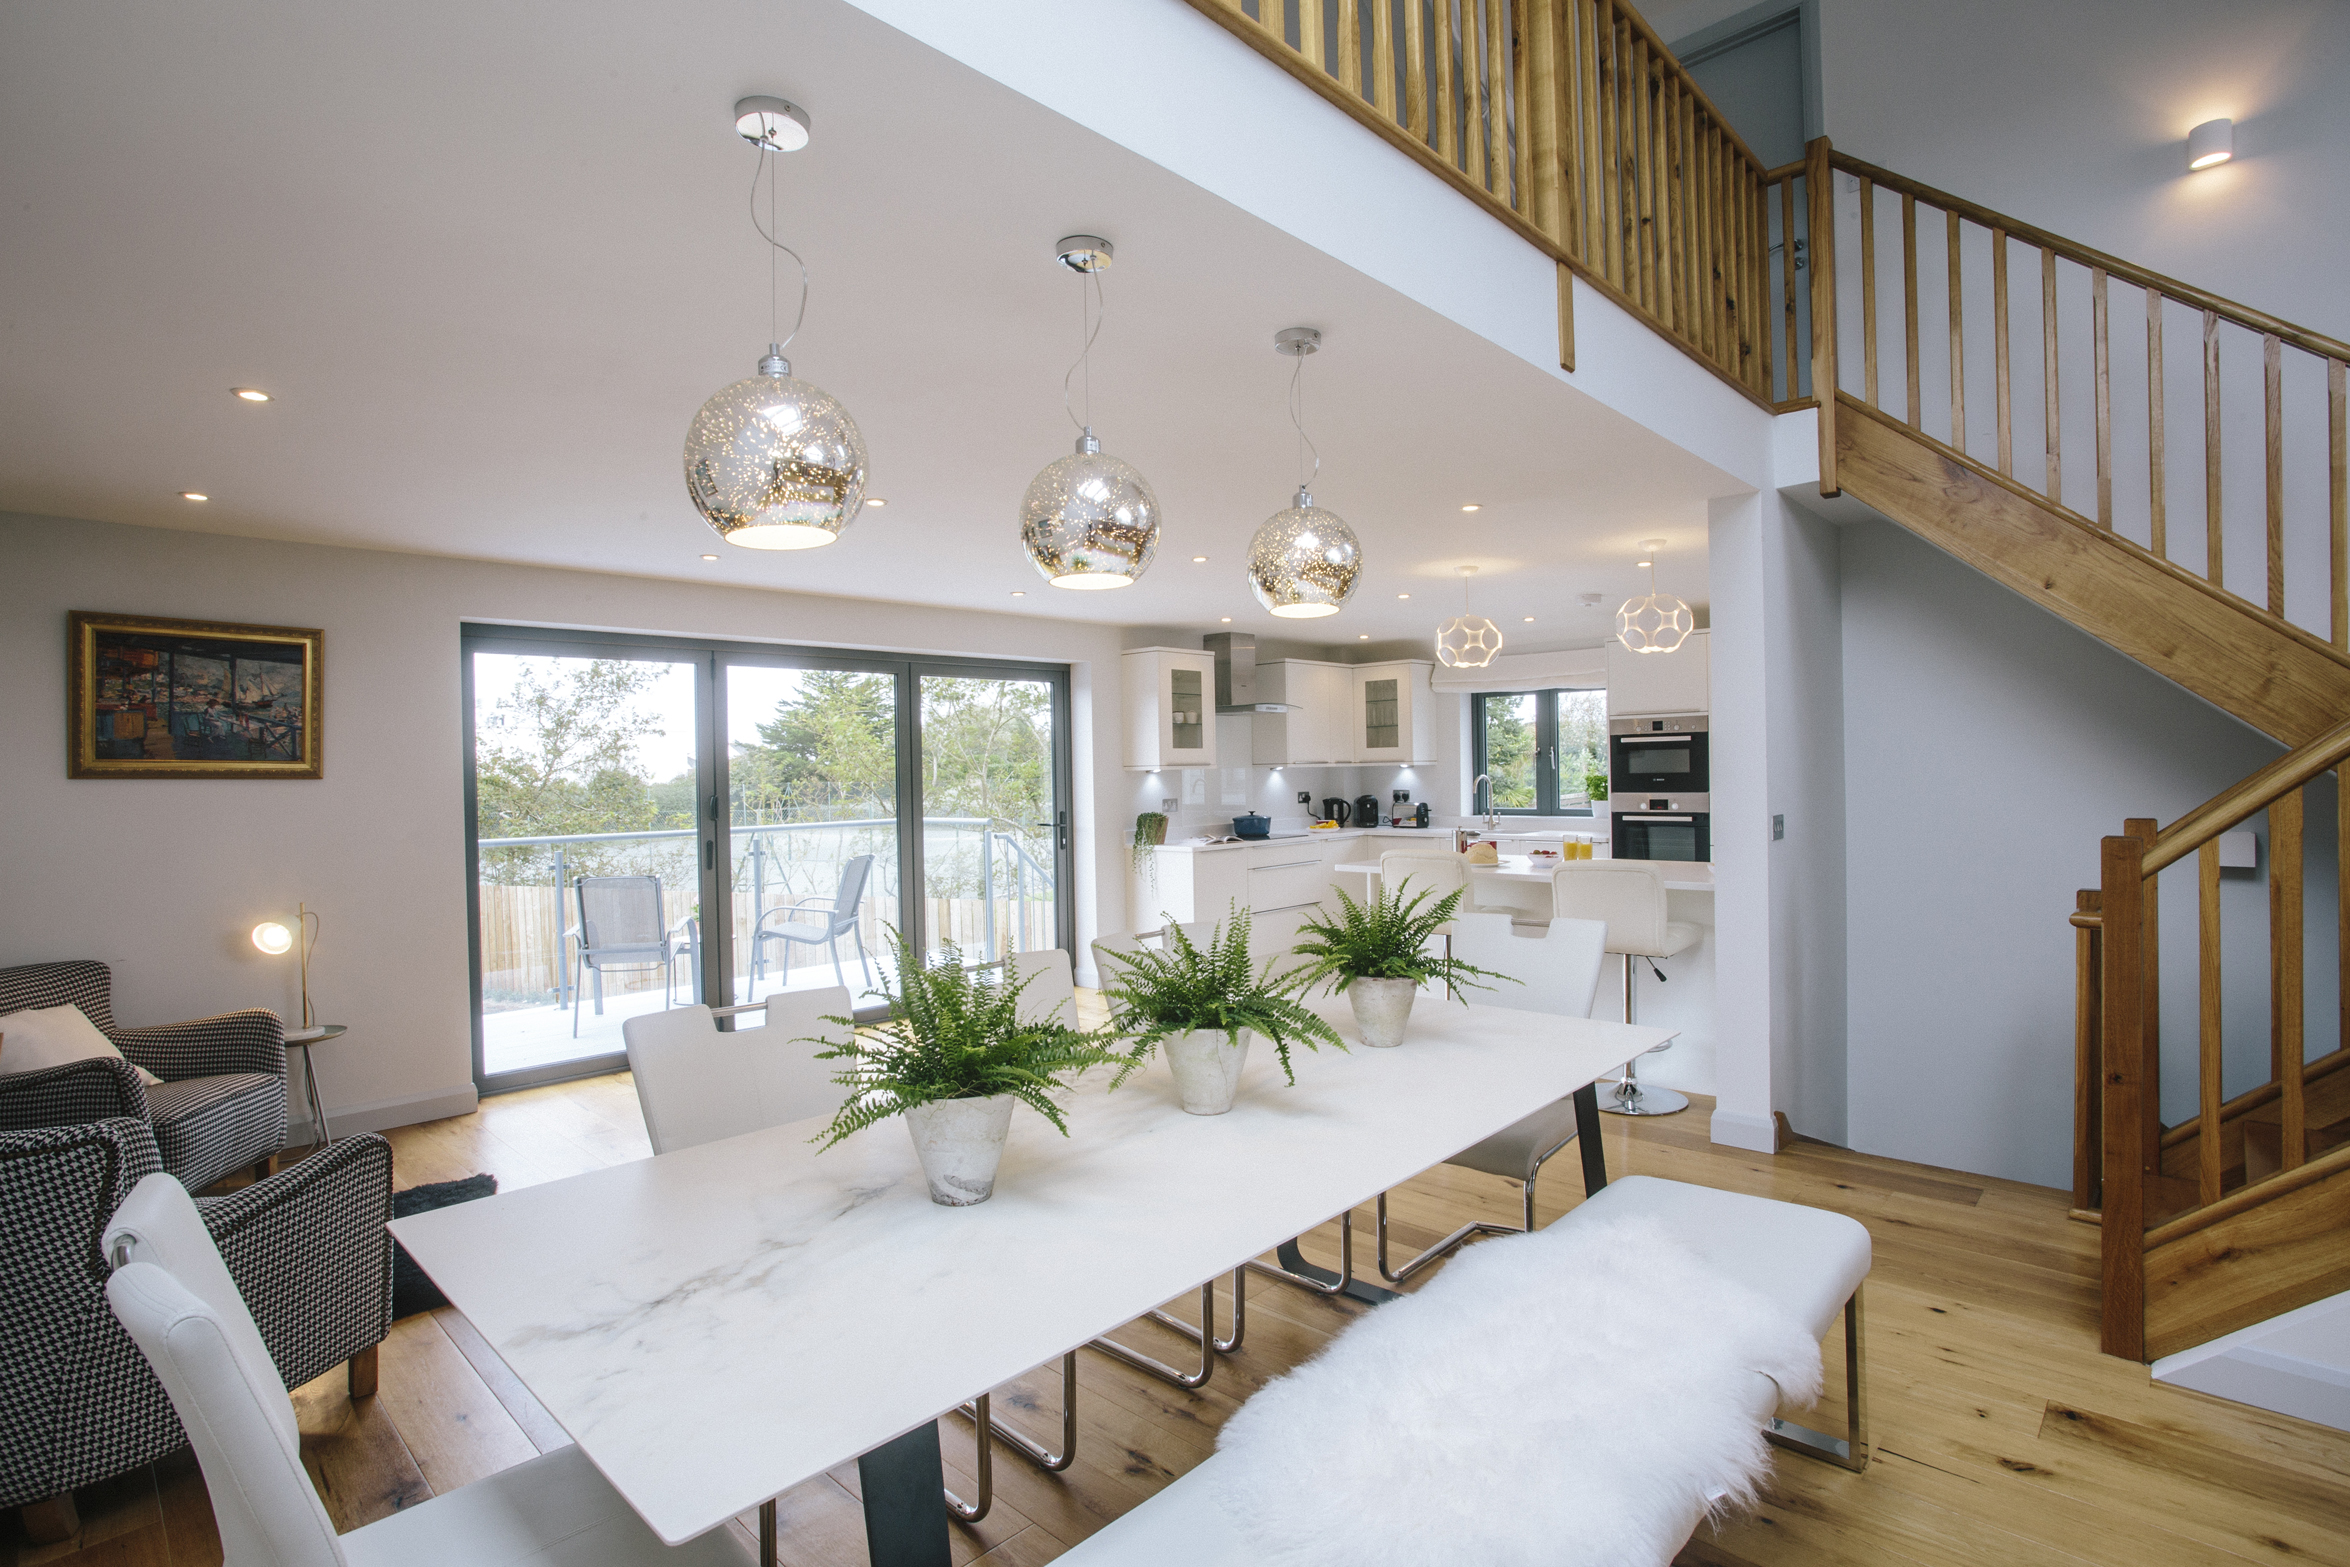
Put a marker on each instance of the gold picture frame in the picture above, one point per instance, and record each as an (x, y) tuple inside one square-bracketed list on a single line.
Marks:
[(153, 698)]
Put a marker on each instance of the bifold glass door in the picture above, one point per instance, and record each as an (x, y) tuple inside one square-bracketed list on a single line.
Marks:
[(655, 826)]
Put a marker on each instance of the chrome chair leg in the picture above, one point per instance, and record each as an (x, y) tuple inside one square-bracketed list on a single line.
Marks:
[(1852, 1449), (1028, 1447), (1466, 1232), (1159, 1368), (1223, 1346), (972, 1512), (1346, 1263)]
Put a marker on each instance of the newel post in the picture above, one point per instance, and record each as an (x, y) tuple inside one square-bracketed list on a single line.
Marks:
[(2122, 1230), (1820, 211)]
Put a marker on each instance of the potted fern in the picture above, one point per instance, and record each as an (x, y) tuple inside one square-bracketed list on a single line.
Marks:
[(1378, 950), (953, 1058), (1204, 1005)]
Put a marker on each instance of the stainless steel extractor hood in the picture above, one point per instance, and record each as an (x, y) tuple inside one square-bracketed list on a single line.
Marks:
[(1236, 674)]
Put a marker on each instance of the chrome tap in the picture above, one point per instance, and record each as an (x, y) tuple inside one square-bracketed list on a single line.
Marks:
[(1492, 822)]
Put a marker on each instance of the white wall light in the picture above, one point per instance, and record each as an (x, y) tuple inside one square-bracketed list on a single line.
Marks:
[(2211, 144)]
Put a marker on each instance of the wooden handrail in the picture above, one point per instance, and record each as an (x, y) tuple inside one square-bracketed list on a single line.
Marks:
[(2113, 266), (2325, 1165), (2279, 778)]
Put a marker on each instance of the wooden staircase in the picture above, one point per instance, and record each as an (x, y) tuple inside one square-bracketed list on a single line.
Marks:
[(1571, 122)]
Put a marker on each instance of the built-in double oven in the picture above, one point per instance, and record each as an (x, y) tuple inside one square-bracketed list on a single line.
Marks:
[(1658, 789)]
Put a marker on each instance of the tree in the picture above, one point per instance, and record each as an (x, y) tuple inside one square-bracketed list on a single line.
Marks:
[(829, 753), (1509, 751), (557, 753)]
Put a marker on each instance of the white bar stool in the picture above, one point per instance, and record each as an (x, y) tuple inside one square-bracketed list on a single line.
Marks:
[(1630, 896)]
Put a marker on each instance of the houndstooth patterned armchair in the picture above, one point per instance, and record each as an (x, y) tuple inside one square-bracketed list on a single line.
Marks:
[(222, 1103), (307, 1249)]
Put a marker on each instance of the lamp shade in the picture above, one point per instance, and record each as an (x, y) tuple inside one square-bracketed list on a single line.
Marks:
[(1468, 642), (775, 463), (273, 938), (1089, 520), (1304, 561), (2211, 144)]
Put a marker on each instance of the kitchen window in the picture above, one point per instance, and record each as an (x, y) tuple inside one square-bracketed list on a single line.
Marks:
[(1543, 750)]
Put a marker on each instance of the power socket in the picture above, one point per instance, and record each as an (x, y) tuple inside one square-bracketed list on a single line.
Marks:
[(1305, 797)]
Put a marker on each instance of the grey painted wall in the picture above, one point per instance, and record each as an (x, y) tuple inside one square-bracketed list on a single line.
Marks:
[(1987, 748)]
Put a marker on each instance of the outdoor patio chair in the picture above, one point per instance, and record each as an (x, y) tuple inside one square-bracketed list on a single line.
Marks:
[(815, 919), (221, 1106), (620, 928)]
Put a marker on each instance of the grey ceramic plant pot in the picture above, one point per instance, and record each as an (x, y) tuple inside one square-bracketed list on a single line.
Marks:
[(960, 1142), (1382, 1007), (1207, 1068)]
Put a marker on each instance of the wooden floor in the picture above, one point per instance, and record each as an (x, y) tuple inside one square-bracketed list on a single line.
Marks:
[(2002, 1435)]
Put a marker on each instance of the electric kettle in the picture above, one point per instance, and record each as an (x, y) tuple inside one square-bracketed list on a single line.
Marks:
[(1340, 812)]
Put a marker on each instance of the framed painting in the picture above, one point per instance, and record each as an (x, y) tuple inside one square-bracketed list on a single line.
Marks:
[(148, 698)]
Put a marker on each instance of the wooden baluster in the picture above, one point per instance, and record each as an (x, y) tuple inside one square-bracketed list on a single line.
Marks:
[(2272, 373), (1868, 291), (1637, 177), (1608, 194), (2342, 895), (1497, 102), (2213, 562), (1473, 94), (1310, 40), (1957, 346), (1818, 175), (2208, 1091), (1350, 46), (2145, 829), (1620, 173), (1676, 209), (1692, 223), (1704, 318), (2285, 1035), (1759, 256), (1383, 55), (1273, 17), (2122, 1230), (2088, 1051), (1521, 55), (2157, 476), (1999, 348), (1448, 140), (2338, 493), (2104, 361), (1717, 280), (1415, 73), (2050, 402), (1545, 115), (1587, 136), (1789, 276)]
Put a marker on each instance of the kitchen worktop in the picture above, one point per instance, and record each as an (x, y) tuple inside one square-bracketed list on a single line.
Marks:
[(1333, 835)]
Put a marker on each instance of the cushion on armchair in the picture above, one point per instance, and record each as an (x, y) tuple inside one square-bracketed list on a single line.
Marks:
[(53, 1036)]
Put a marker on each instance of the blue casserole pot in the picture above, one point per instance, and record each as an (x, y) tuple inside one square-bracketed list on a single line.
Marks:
[(1253, 826)]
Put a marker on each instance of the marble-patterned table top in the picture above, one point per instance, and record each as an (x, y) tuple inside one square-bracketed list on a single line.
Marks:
[(716, 1325)]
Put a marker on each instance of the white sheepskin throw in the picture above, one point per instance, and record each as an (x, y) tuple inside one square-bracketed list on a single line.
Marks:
[(1580, 1395)]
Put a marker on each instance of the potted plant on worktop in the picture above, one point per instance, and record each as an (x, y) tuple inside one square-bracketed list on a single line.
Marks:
[(953, 1058), (1379, 952), (1203, 1005)]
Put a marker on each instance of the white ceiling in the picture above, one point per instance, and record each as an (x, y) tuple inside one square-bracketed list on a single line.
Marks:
[(490, 259)]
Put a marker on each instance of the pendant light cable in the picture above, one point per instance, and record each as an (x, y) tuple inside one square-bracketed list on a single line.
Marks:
[(767, 232), (1297, 417), (1084, 359)]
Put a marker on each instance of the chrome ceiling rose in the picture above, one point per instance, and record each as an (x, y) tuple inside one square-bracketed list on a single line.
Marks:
[(777, 124), (1085, 253), (1089, 521)]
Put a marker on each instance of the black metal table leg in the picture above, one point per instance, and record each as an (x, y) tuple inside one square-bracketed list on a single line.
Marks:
[(905, 1505), (1587, 1135), (1369, 1294)]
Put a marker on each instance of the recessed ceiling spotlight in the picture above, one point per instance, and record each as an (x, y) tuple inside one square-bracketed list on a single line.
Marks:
[(1529, 620), (1362, 636), (875, 500), (194, 495), (1019, 593), (1227, 620), (709, 557), (1198, 560), (251, 394), (1472, 506), (1403, 595)]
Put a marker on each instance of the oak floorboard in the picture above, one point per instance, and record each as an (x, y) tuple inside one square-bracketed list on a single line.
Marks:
[(2002, 1434)]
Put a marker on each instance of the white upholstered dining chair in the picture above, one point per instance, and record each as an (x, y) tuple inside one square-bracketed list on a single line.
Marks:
[(173, 1295), (696, 1084)]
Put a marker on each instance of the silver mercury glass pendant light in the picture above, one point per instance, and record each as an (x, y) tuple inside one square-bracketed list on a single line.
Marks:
[(1658, 622), (1467, 641), (1304, 561), (1089, 520), (773, 462)]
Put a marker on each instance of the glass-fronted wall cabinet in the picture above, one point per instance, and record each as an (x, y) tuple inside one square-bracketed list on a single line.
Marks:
[(1392, 714), (1170, 708)]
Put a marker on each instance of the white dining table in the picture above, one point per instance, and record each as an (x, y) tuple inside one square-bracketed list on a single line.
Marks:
[(715, 1325)]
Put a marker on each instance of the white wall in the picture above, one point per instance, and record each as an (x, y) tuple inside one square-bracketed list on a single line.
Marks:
[(1987, 748), (163, 878)]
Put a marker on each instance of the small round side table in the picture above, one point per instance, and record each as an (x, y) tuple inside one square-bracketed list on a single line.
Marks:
[(302, 1039)]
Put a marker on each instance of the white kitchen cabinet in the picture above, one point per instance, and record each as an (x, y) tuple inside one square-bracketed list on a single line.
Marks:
[(1319, 728), (1170, 708), (1393, 718), (1675, 682)]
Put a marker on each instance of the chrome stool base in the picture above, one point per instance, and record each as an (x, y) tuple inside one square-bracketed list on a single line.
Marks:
[(1641, 1099)]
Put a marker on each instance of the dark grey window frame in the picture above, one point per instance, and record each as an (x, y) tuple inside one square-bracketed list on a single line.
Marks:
[(1546, 744), (711, 786)]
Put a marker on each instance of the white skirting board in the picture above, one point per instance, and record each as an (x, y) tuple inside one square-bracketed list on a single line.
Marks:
[(1755, 1133), (2297, 1364), (377, 1115)]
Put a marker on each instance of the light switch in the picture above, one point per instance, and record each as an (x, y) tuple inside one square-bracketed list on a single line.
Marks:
[(1778, 828), (2239, 851)]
